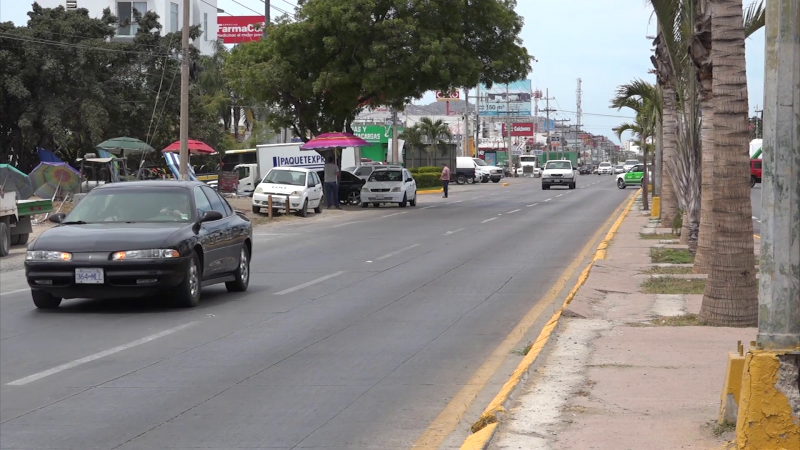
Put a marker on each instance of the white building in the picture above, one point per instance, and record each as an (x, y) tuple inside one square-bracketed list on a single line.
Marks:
[(170, 13)]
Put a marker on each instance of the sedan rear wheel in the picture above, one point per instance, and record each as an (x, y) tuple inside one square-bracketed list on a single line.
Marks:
[(242, 273), (187, 294), (45, 300), (303, 212), (5, 239)]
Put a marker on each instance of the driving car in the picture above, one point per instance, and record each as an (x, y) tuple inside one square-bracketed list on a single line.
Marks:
[(300, 185), (619, 169), (140, 238), (605, 168), (390, 184), (486, 172), (558, 173), (349, 187), (585, 170), (632, 177), (629, 163)]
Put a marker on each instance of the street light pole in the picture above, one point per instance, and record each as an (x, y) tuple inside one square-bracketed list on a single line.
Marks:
[(184, 131)]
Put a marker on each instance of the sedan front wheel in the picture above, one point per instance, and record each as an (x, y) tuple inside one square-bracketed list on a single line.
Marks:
[(621, 184), (187, 294), (354, 198)]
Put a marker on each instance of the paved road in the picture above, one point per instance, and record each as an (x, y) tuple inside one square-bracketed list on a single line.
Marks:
[(755, 200), (356, 332)]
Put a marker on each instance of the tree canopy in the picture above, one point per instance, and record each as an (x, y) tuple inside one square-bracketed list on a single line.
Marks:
[(341, 56), (65, 85)]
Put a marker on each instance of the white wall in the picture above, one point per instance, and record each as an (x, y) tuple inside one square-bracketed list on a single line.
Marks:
[(161, 7)]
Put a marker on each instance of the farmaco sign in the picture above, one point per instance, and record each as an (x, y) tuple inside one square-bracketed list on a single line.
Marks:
[(239, 29)]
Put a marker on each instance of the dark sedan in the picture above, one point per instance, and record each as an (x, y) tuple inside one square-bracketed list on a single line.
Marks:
[(138, 239), (349, 187), (585, 170)]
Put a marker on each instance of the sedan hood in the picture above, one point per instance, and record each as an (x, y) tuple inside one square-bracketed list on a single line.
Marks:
[(106, 237), (274, 188), (382, 184), (562, 172)]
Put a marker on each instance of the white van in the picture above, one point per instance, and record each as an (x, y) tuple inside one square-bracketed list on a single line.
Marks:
[(482, 171)]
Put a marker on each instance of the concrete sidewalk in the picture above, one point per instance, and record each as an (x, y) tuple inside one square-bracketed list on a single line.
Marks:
[(617, 375)]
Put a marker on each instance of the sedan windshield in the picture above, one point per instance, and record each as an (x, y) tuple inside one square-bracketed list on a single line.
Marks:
[(479, 162), (291, 177), (128, 205), (561, 165), (386, 175)]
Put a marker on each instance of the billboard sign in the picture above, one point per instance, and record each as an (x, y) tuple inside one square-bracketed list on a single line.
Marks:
[(239, 29), (442, 96), (375, 134), (519, 129), (513, 99)]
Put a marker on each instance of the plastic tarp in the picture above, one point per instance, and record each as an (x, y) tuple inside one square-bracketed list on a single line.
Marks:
[(174, 164)]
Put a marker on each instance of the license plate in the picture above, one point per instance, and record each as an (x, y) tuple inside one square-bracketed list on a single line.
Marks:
[(383, 197), (89, 276)]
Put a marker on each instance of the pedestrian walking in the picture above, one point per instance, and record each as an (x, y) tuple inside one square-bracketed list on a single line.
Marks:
[(331, 183), (445, 178)]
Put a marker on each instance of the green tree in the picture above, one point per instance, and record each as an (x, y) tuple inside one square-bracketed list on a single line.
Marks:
[(341, 56), (413, 136), (436, 133)]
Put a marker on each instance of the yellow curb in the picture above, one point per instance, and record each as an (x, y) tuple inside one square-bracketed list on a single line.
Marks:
[(480, 440), (431, 191), (757, 236), (505, 184)]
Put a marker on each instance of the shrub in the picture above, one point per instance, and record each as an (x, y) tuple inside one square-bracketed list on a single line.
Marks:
[(428, 180), (427, 169)]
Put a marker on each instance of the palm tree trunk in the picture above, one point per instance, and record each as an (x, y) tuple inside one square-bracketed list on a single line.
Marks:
[(731, 294), (702, 258), (669, 201)]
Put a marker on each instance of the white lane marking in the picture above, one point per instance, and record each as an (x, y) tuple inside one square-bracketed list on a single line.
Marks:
[(454, 202), (548, 199), (396, 252), (568, 192), (15, 291), (492, 194), (309, 283), (480, 196), (489, 220), (531, 205), (111, 351), (559, 195), (429, 207), (395, 214), (454, 231), (512, 212), (274, 234), (347, 223)]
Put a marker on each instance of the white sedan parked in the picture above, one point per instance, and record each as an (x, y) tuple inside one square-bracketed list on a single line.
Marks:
[(302, 186), (390, 184)]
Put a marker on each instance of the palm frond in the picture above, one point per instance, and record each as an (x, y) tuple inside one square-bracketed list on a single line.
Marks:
[(634, 128), (755, 17)]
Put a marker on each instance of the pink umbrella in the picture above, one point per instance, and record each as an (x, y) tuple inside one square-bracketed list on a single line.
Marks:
[(195, 148), (334, 140)]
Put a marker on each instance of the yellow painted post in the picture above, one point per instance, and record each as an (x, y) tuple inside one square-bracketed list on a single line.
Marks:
[(655, 208), (731, 389)]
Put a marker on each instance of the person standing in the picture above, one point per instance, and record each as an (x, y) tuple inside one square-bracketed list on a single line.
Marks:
[(445, 179), (331, 174)]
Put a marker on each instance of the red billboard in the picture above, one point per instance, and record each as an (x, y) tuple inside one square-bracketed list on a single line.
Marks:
[(519, 129), (238, 29)]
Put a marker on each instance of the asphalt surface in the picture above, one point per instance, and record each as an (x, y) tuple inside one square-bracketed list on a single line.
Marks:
[(356, 331)]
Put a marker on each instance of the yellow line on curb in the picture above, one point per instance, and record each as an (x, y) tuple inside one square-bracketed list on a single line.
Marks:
[(757, 236), (480, 439), (432, 191), (454, 411)]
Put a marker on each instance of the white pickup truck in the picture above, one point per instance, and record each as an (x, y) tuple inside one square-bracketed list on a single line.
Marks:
[(15, 219)]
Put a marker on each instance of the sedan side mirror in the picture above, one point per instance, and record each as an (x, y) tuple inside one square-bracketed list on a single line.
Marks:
[(57, 217), (210, 216), (409, 180)]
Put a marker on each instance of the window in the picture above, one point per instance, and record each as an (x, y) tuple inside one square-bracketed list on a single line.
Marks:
[(133, 205), (205, 26), (316, 179), (216, 202), (244, 172), (558, 165), (282, 176), (173, 17), (125, 13), (386, 175), (201, 201)]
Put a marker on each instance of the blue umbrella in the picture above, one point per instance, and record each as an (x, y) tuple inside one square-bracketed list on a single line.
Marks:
[(11, 179)]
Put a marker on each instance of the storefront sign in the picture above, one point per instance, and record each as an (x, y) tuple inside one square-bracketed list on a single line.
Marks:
[(228, 181), (519, 129), (238, 29)]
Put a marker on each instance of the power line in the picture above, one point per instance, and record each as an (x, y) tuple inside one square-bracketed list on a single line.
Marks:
[(66, 44), (599, 115)]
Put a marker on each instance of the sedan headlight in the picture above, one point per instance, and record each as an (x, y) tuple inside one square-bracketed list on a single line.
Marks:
[(397, 189), (297, 193), (157, 253), (259, 190), (42, 255)]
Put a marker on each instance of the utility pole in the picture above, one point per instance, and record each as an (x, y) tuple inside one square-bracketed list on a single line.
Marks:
[(579, 114), (184, 127), (547, 122), (465, 150), (760, 123), (508, 131), (395, 150), (267, 18), (477, 119)]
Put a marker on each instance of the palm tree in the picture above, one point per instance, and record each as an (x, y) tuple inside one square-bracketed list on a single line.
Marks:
[(731, 294), (437, 133), (413, 136), (645, 100), (700, 52)]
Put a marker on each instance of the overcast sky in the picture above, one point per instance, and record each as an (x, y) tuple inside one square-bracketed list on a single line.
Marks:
[(602, 42)]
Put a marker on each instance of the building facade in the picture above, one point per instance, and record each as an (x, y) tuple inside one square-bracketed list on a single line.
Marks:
[(170, 13)]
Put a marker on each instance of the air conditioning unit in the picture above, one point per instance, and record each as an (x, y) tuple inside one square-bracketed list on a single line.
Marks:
[(72, 4)]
